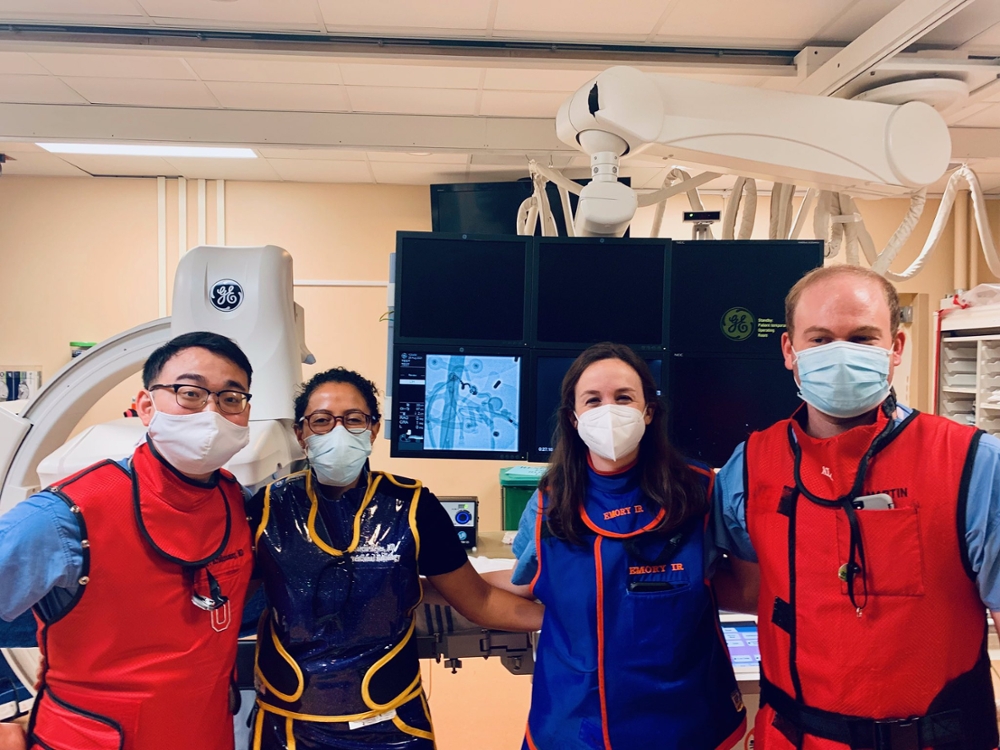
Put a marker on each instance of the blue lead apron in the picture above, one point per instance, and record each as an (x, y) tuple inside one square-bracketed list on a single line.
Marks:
[(631, 653)]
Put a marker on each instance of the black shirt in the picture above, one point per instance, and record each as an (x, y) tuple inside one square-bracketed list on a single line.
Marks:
[(440, 550)]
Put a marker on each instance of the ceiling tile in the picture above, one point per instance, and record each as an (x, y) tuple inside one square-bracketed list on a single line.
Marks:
[(19, 63), (14, 147), (964, 26), (325, 154), (43, 163), (522, 103), (527, 79), (432, 158), (122, 166), (413, 15), (987, 43), (113, 66), (37, 90), (855, 19), (416, 76), (144, 93), (286, 14), (71, 8), (412, 101), (320, 170), (395, 173), (953, 118), (224, 169), (986, 118), (265, 71), (788, 23), (582, 18), (644, 176), (299, 97)]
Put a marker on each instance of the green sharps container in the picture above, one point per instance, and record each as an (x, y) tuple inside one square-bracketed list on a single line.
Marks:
[(516, 487)]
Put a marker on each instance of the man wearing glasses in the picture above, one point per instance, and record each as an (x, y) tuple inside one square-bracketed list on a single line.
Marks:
[(137, 570)]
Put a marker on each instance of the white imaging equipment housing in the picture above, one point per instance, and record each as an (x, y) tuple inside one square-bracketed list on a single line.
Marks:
[(244, 293), (865, 148)]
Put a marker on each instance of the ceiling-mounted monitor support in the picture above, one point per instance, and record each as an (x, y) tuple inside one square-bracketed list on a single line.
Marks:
[(864, 148)]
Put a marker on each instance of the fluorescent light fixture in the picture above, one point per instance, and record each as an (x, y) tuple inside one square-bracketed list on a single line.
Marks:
[(121, 149)]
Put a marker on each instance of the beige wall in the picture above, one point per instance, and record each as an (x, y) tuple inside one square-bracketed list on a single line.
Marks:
[(78, 260)]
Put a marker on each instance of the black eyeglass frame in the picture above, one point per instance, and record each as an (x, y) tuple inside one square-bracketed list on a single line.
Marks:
[(175, 387), (370, 421)]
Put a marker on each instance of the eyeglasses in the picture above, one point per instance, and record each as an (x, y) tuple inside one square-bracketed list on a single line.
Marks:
[(196, 397), (321, 422)]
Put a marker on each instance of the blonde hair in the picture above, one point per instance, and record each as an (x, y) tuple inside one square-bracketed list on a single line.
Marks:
[(860, 273)]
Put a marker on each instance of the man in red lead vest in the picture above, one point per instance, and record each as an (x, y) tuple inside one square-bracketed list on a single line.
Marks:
[(137, 570), (864, 535)]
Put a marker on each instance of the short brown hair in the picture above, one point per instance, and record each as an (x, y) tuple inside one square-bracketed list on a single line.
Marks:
[(859, 272)]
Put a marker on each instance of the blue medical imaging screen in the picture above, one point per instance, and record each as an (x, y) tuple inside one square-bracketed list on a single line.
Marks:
[(741, 638), (457, 403), (460, 289), (549, 374)]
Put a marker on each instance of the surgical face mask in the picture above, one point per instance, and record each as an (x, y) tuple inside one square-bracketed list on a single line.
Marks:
[(338, 456), (843, 379), (199, 443), (611, 431)]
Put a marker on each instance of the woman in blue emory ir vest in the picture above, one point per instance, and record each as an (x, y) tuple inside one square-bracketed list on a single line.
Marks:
[(631, 653), (340, 549)]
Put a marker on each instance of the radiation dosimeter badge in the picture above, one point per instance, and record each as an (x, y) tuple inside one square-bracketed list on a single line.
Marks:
[(880, 501), (464, 514)]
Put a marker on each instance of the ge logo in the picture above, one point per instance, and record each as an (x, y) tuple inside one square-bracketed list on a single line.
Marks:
[(738, 323), (227, 295)]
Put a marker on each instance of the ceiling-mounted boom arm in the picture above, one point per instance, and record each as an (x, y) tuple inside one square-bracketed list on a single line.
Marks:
[(865, 148)]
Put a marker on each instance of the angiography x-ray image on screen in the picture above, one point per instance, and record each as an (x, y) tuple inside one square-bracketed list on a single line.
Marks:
[(458, 402)]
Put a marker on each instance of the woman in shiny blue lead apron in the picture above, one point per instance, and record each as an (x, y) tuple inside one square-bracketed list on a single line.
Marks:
[(340, 549), (613, 544)]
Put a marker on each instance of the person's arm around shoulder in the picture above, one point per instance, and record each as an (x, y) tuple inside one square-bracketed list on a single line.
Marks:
[(982, 523), (448, 569), (737, 575), (40, 550), (518, 579)]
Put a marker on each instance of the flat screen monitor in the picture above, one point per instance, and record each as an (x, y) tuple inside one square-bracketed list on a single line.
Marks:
[(491, 207), (715, 402), (589, 290), (549, 369), (728, 297), (463, 289), (457, 403), (741, 638)]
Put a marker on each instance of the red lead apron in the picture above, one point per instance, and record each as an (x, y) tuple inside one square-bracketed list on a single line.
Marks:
[(134, 664), (911, 640)]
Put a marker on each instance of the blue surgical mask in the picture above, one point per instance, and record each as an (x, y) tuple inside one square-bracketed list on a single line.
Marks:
[(338, 456), (843, 379)]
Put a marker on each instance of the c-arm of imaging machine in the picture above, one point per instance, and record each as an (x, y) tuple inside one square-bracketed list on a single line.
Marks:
[(860, 147)]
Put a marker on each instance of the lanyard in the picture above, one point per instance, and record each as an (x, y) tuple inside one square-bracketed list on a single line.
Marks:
[(216, 598), (855, 567)]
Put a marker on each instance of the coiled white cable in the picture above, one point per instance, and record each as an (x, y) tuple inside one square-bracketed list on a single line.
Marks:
[(748, 186)]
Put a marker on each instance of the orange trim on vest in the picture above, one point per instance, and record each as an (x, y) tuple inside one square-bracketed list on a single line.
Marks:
[(528, 739), (613, 472), (613, 535), (539, 520), (600, 643)]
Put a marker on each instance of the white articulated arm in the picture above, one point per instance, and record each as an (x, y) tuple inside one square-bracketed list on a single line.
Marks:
[(865, 148)]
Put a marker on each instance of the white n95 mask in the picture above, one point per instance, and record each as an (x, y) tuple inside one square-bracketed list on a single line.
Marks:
[(843, 379), (611, 431), (198, 443), (338, 456)]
